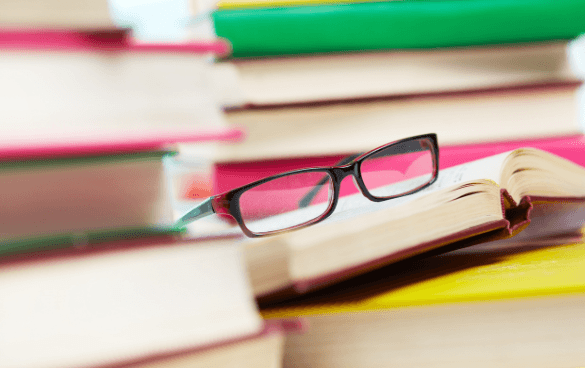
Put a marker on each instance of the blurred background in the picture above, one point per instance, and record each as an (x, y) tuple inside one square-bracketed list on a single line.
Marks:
[(120, 116)]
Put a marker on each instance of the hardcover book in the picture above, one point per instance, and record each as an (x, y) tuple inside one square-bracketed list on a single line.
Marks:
[(56, 14), (258, 32), (134, 303), (70, 88), (508, 307), (230, 175), (350, 126), (343, 76), (49, 200), (486, 200)]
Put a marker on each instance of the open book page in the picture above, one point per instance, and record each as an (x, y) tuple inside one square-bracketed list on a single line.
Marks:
[(356, 205)]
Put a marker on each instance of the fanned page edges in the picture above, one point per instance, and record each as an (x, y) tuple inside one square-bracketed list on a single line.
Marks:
[(516, 219), (272, 327)]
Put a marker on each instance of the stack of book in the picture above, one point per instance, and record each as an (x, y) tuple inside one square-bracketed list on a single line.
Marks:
[(519, 306), (92, 270), (373, 296), (320, 81), (323, 80)]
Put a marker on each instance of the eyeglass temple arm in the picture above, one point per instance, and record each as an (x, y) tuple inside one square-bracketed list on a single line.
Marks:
[(204, 209), (306, 200)]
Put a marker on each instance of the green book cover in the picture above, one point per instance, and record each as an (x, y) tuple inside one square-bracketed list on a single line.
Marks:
[(397, 25), (91, 238), (50, 241)]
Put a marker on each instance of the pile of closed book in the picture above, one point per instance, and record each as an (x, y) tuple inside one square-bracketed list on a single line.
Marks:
[(320, 80), (482, 268), (92, 271)]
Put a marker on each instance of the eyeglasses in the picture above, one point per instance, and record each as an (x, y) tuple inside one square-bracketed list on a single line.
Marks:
[(304, 197)]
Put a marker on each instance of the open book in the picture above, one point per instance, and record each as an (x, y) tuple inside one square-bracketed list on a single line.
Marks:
[(485, 200)]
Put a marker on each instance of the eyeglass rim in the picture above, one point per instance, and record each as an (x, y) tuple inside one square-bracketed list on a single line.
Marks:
[(434, 149), (227, 203)]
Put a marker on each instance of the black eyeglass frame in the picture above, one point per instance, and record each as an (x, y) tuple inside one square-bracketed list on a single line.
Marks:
[(228, 203)]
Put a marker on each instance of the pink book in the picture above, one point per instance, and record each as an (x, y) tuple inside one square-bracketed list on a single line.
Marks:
[(85, 93), (517, 195), (232, 175), (115, 39)]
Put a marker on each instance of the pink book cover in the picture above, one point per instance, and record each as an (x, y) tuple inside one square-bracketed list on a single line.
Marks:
[(232, 175), (114, 40), (103, 40)]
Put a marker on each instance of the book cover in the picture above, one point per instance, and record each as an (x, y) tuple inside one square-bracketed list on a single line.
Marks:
[(518, 306), (98, 40), (56, 14), (239, 4), (523, 194), (116, 108), (229, 175), (396, 25), (134, 303), (348, 76), (119, 145)]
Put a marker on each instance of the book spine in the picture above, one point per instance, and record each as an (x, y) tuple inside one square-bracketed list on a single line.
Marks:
[(397, 25)]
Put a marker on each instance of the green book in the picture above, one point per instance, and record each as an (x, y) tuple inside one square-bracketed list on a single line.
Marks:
[(59, 202), (397, 25), (83, 239)]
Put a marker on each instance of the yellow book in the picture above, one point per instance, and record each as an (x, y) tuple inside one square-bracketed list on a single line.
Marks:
[(508, 307), (239, 4)]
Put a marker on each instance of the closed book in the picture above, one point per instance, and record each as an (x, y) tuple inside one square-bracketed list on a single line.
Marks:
[(53, 201), (238, 4), (134, 303), (69, 87), (396, 25), (230, 175), (67, 194), (348, 126), (515, 307), (346, 76), (56, 14), (524, 193)]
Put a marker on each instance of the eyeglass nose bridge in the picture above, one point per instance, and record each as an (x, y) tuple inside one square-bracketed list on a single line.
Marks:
[(341, 172), (353, 169)]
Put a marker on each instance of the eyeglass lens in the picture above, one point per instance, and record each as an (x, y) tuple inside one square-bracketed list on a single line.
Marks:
[(275, 205), (399, 169)]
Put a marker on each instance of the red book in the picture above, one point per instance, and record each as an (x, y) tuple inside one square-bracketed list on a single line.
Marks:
[(94, 92), (235, 174), (519, 194), (146, 302)]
